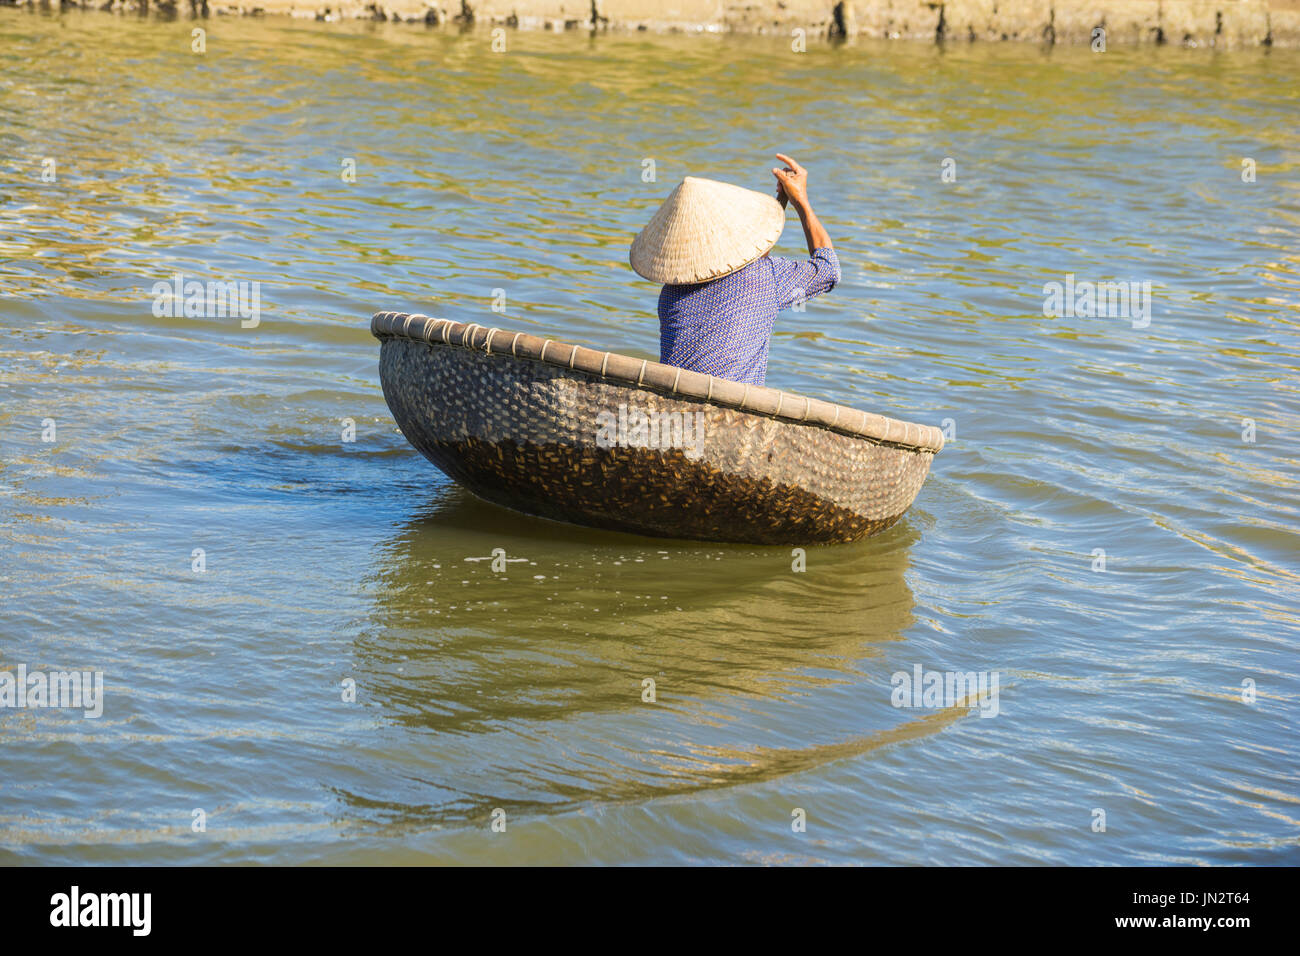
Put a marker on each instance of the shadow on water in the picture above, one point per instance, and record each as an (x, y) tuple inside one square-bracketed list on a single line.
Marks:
[(482, 667), (462, 572)]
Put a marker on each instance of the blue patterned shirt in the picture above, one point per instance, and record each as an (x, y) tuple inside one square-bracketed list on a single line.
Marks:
[(722, 326)]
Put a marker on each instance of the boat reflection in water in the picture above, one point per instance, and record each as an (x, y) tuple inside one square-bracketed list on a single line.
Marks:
[(521, 679)]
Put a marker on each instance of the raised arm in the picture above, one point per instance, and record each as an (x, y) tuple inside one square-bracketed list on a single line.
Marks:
[(792, 187)]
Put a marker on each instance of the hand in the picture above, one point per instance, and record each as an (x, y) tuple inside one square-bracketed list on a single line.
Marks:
[(792, 183)]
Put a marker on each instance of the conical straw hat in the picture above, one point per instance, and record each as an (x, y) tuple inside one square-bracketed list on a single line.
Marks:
[(704, 230)]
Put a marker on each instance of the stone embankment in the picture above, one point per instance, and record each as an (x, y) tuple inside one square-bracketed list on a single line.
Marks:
[(1199, 23)]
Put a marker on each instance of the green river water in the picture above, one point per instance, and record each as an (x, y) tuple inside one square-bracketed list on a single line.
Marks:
[(1162, 690)]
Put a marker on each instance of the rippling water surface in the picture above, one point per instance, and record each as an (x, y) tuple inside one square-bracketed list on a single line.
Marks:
[(328, 560)]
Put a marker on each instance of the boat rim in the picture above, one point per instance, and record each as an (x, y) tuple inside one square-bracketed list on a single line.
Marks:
[(657, 377)]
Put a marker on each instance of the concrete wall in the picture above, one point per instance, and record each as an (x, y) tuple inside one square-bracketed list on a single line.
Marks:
[(1186, 22)]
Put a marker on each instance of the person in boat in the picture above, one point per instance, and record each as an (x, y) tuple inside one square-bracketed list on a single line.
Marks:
[(708, 244)]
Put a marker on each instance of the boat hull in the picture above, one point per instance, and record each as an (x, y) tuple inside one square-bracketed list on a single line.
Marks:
[(562, 443)]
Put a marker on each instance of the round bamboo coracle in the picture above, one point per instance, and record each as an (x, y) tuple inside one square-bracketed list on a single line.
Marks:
[(608, 441)]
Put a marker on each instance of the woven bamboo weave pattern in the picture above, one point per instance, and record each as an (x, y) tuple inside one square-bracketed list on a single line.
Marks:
[(515, 419)]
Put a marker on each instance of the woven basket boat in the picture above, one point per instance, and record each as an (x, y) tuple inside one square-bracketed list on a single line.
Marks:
[(609, 441)]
